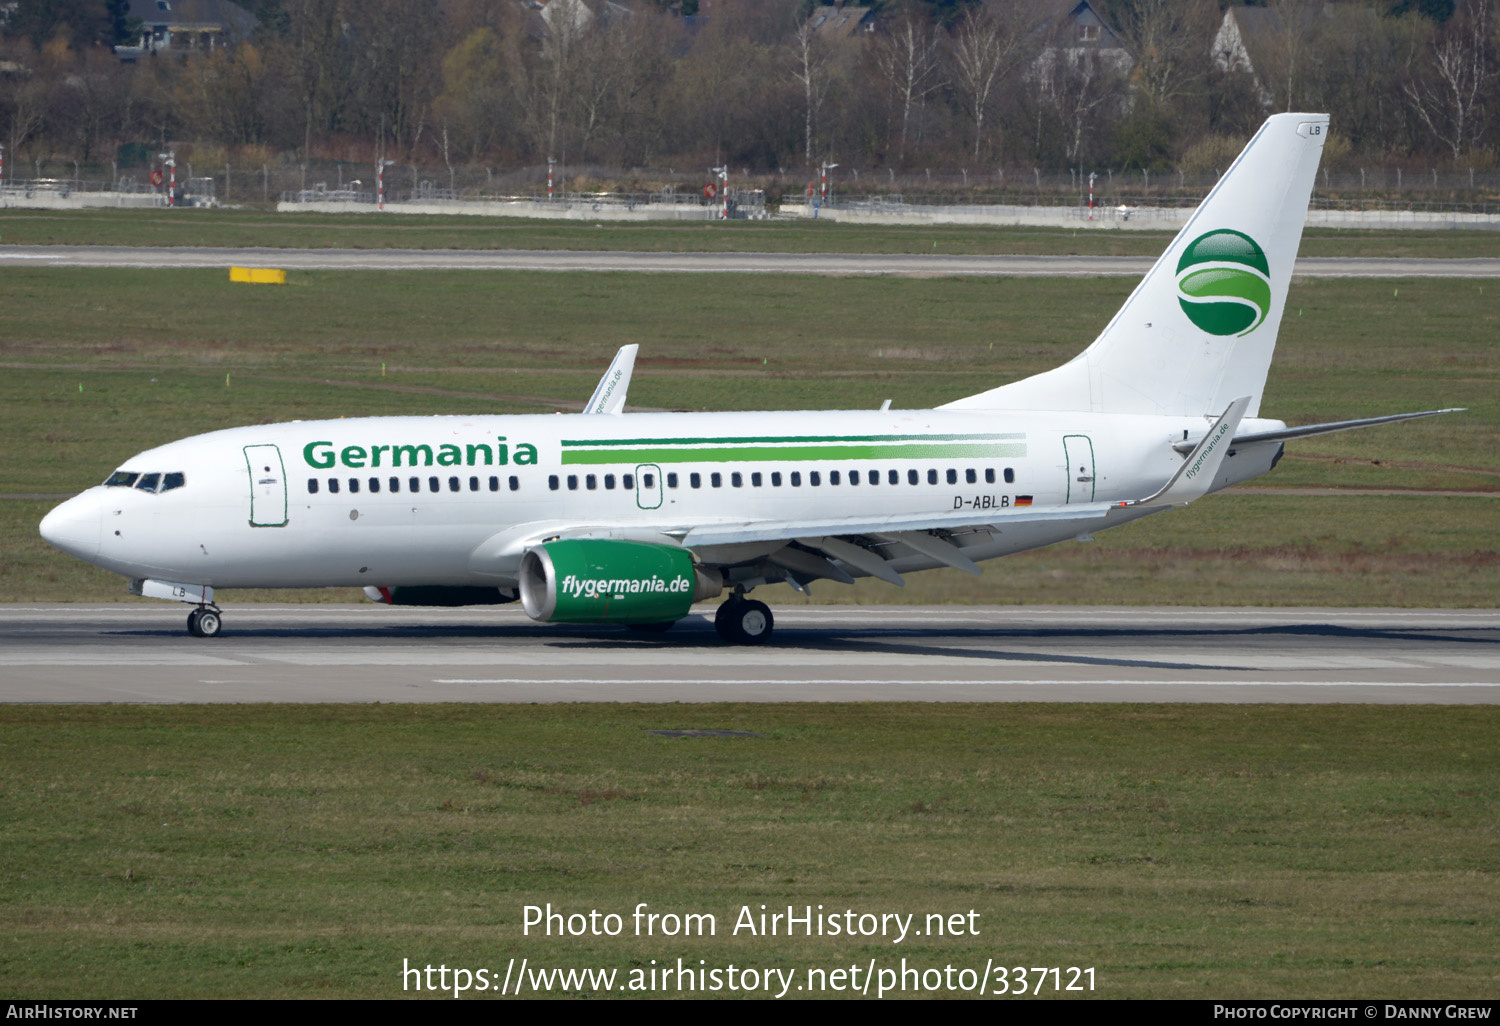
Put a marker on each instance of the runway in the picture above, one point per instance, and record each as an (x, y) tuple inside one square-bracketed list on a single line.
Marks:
[(858, 264), (140, 653)]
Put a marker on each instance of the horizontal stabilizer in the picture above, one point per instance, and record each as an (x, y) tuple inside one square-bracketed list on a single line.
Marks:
[(1309, 430)]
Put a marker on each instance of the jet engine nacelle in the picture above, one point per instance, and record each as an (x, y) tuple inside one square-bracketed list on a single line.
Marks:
[(586, 580)]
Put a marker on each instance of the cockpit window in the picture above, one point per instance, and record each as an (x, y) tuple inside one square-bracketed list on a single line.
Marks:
[(172, 480), (148, 482), (121, 479)]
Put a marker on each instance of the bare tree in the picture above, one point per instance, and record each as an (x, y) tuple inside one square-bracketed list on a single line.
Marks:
[(986, 49), (1170, 41), (1449, 98), (907, 60), (810, 70)]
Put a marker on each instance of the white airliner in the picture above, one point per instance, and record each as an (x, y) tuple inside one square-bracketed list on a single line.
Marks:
[(630, 518)]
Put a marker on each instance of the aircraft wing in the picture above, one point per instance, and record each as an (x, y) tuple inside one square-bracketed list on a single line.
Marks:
[(846, 539), (774, 530), (852, 540)]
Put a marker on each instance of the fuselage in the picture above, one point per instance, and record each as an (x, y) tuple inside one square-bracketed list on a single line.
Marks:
[(453, 500)]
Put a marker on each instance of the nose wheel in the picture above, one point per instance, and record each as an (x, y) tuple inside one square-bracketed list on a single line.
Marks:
[(205, 622), (742, 621)]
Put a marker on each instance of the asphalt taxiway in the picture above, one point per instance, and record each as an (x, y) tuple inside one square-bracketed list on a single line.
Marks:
[(140, 653), (845, 264)]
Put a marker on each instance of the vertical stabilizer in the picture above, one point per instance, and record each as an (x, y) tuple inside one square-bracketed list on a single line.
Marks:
[(1199, 330)]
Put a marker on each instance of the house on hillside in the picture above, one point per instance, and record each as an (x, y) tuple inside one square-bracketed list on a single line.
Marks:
[(837, 23), (186, 26), (1262, 43), (1074, 32)]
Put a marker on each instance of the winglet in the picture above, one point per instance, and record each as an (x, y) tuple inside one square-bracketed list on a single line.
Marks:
[(1196, 475), (609, 396)]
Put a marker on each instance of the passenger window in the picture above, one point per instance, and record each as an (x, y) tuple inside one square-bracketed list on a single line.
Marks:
[(414, 483), (911, 477), (591, 481), (932, 477), (572, 482), (374, 484), (970, 477), (122, 479), (737, 479), (432, 485), (453, 484), (515, 484), (833, 477), (148, 482), (172, 480), (854, 477), (695, 480), (1010, 476), (755, 479), (312, 486), (671, 481), (353, 485), (474, 484), (552, 482), (893, 477), (395, 484), (494, 484), (814, 478), (333, 485), (775, 479), (627, 482), (989, 475), (609, 482), (716, 479), (796, 479), (874, 476), (952, 476)]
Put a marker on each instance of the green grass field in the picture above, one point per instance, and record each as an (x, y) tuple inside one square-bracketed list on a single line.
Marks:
[(100, 364), (105, 227), (1180, 851), (1226, 851)]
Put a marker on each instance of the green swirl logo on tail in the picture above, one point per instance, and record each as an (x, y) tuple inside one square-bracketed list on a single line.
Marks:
[(1223, 283)]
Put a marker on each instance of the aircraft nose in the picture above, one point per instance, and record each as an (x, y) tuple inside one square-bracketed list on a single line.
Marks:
[(74, 526)]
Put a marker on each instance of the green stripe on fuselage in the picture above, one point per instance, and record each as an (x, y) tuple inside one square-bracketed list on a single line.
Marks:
[(783, 439), (798, 453)]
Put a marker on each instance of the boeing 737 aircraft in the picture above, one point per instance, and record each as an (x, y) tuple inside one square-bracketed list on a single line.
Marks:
[(630, 518)]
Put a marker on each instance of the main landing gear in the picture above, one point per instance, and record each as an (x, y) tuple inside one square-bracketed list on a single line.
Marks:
[(205, 622), (742, 621)]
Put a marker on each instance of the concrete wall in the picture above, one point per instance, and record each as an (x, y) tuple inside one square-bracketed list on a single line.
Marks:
[(561, 211), (17, 199), (1138, 218)]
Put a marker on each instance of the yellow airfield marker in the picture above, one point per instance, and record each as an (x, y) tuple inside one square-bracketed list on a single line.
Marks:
[(258, 275)]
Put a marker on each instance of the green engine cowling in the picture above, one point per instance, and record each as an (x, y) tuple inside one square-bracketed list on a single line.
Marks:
[(601, 581)]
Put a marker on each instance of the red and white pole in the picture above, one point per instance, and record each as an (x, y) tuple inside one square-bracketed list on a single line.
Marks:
[(380, 185), (1092, 176), (549, 179), (724, 194), (172, 179)]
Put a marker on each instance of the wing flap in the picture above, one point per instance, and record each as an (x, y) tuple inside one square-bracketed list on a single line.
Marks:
[(730, 533)]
